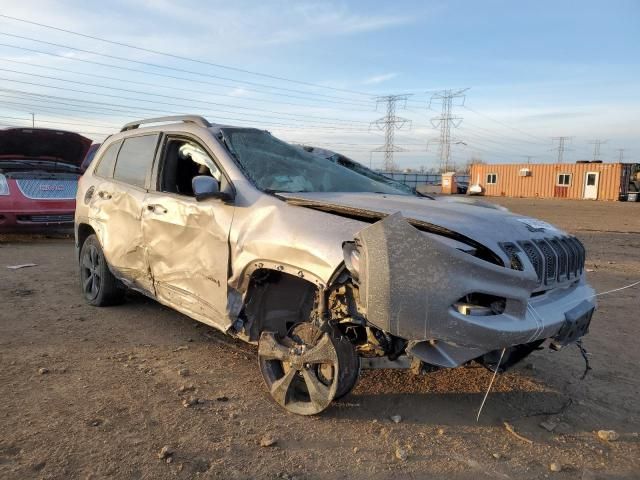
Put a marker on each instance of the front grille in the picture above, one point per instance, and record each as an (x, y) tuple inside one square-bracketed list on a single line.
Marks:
[(549, 260), (535, 257), (562, 256), (555, 259), (573, 256), (47, 189), (582, 254), (512, 252), (63, 218)]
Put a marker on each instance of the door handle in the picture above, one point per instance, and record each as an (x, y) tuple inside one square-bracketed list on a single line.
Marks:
[(104, 195), (156, 208)]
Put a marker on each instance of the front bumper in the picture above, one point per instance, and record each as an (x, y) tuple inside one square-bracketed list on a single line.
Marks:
[(409, 283), (35, 220), (19, 213), (562, 316)]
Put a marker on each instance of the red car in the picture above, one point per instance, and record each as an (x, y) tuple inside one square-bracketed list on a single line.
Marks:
[(39, 171)]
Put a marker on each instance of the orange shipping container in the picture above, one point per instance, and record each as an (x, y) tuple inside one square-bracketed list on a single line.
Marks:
[(590, 181)]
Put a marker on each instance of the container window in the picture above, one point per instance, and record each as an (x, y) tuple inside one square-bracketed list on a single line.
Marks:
[(492, 178), (564, 179)]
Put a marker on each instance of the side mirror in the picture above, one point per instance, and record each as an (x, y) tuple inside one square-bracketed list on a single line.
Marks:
[(205, 187)]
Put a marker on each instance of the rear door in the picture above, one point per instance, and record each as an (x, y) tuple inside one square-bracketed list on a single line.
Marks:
[(124, 171), (187, 241)]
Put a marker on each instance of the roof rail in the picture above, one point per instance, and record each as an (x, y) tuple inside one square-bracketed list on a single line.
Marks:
[(198, 120)]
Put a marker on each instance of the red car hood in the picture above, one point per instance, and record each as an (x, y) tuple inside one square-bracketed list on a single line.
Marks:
[(43, 144)]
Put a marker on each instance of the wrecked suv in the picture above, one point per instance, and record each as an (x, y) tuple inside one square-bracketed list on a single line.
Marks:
[(327, 270)]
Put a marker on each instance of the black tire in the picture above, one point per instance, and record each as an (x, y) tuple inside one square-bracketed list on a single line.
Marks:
[(98, 285), (350, 368)]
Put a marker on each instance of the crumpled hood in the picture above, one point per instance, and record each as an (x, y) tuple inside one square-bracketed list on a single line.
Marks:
[(484, 225)]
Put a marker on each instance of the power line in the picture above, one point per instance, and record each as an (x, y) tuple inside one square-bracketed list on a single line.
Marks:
[(172, 87), (192, 80), (503, 124), (516, 140), (164, 67), (561, 148), (138, 92), (188, 59), (146, 111), (191, 108), (8, 125), (466, 133), (58, 122), (390, 123), (446, 121)]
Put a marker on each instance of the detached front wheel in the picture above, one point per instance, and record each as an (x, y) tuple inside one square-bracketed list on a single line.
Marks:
[(304, 370)]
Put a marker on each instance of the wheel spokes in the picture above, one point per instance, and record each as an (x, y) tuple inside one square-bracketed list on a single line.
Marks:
[(301, 370), (87, 283), (319, 393), (281, 386), (94, 257), (94, 284), (270, 349), (86, 261), (323, 352)]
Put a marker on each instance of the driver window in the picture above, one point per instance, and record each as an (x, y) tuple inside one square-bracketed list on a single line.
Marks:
[(183, 160)]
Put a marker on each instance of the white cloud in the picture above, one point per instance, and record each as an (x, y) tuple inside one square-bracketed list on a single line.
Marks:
[(374, 80), (239, 92)]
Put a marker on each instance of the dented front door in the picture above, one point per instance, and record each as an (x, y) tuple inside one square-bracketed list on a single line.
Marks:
[(187, 252)]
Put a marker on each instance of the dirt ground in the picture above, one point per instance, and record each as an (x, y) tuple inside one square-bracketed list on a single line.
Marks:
[(112, 396)]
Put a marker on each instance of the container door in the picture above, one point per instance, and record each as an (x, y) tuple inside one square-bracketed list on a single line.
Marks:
[(591, 181)]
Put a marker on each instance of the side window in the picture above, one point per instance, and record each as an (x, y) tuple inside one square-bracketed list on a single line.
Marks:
[(492, 178), (108, 160), (183, 160), (135, 159)]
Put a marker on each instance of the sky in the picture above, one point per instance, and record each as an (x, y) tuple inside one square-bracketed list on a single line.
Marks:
[(310, 72)]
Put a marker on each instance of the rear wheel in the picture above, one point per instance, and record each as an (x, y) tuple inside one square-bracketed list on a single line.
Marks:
[(305, 370), (99, 286)]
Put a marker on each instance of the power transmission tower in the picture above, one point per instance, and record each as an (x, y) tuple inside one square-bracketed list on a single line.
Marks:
[(620, 154), (596, 147), (528, 157), (390, 123), (446, 121), (561, 148)]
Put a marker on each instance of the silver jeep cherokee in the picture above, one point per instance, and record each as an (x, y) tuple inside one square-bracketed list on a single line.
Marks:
[(327, 268)]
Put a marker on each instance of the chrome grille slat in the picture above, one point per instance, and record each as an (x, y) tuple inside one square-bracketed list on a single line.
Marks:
[(48, 189)]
